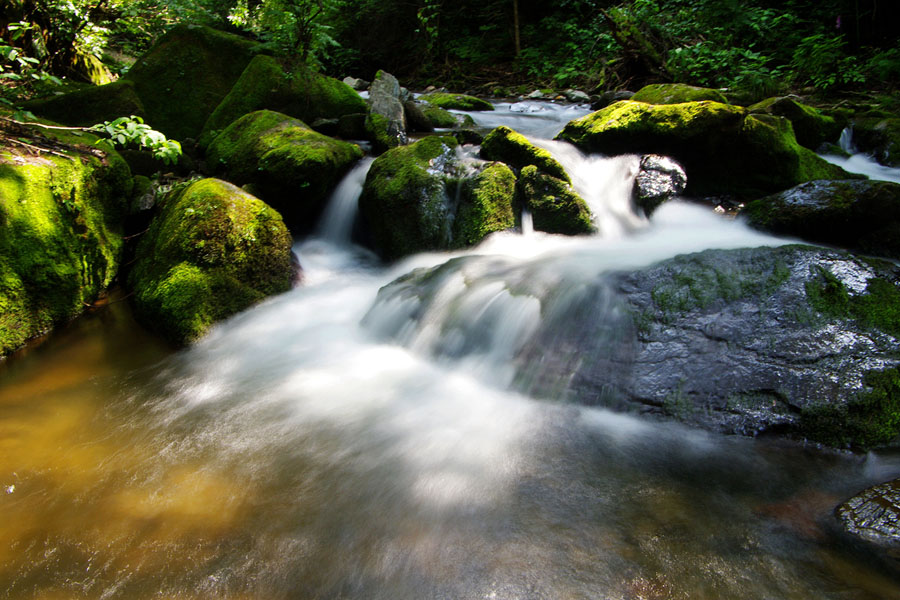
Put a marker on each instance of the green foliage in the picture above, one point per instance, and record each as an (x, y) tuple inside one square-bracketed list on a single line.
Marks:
[(132, 131), (822, 61)]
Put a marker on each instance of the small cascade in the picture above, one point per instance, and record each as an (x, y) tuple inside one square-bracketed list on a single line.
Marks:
[(859, 162), (846, 141), (340, 213), (605, 183), (527, 223)]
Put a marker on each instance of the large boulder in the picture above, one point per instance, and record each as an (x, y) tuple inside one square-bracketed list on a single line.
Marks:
[(88, 106), (302, 94), (212, 251), (184, 77), (61, 216), (514, 149), (723, 149), (676, 93), (289, 165), (386, 120), (858, 215), (811, 126), (554, 205), (880, 137), (791, 340), (450, 101)]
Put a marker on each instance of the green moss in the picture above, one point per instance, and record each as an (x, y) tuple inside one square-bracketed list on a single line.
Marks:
[(377, 129), (60, 236), (264, 84), (811, 127), (182, 79), (212, 251), (487, 205), (456, 101), (723, 149), (404, 201), (869, 420), (554, 205), (513, 148), (676, 93), (443, 119), (91, 105), (293, 167), (877, 308)]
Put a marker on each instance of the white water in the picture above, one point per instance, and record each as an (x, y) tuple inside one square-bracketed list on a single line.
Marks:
[(859, 162), (355, 465)]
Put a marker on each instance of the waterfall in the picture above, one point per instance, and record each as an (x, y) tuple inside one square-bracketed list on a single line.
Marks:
[(343, 204), (859, 162)]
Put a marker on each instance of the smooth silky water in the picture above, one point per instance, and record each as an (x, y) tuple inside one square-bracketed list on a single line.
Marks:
[(325, 445)]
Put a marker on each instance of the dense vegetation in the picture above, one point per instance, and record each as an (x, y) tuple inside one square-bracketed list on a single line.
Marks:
[(494, 45)]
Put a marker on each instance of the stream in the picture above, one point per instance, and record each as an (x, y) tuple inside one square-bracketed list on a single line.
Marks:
[(324, 445)]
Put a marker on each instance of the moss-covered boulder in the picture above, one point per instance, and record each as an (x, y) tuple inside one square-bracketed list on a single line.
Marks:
[(555, 207), (811, 126), (212, 251), (676, 93), (289, 165), (61, 216), (404, 202), (91, 105), (723, 149), (857, 215), (444, 119), (486, 206), (386, 119), (302, 94), (880, 137), (513, 148), (184, 77), (456, 101)]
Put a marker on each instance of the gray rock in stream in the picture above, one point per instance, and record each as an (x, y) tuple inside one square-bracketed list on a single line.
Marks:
[(659, 179), (874, 514), (744, 341)]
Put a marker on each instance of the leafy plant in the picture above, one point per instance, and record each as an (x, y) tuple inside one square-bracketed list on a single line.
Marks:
[(132, 131), (820, 60)]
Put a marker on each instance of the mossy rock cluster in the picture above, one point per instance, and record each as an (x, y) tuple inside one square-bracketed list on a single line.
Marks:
[(444, 119), (508, 146), (486, 205), (91, 105), (723, 148), (289, 165), (554, 206), (880, 137), (456, 101), (265, 84), (811, 126), (60, 234), (211, 252), (676, 93), (858, 215)]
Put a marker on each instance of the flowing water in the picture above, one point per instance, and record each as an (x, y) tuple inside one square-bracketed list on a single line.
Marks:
[(327, 445)]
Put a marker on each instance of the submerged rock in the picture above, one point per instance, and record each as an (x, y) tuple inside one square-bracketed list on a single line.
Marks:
[(61, 221), (874, 514), (289, 165), (300, 93), (456, 101), (676, 93), (514, 149), (386, 121), (858, 215), (659, 179), (812, 127), (724, 150), (211, 252)]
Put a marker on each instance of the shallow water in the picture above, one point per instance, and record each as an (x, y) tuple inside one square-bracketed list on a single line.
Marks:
[(296, 452)]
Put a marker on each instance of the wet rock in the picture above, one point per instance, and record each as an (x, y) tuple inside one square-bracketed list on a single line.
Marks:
[(659, 179), (416, 119), (874, 514), (535, 95), (880, 137), (860, 215), (357, 84), (576, 96), (386, 122), (607, 98), (514, 149)]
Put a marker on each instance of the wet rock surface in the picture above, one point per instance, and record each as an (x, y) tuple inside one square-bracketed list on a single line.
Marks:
[(659, 179), (874, 514)]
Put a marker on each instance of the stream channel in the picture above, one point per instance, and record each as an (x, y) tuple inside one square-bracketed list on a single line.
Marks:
[(321, 446)]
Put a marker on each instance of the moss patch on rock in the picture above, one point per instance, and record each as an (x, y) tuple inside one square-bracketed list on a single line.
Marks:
[(456, 101), (302, 94), (404, 200), (676, 93), (91, 105), (555, 207), (811, 127), (486, 205), (211, 252), (513, 148), (722, 148), (292, 167), (184, 77), (60, 235)]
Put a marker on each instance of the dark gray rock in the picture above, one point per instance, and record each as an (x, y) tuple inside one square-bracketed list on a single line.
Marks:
[(659, 179), (387, 119), (874, 514), (727, 340), (416, 119), (607, 98)]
